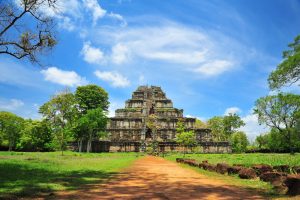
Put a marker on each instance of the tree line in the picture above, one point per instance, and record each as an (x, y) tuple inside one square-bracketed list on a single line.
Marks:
[(67, 116)]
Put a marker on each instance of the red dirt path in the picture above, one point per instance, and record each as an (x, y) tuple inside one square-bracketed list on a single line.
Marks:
[(156, 178)]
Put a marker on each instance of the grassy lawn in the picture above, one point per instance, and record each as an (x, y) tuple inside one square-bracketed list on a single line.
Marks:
[(263, 188), (246, 159), (24, 174)]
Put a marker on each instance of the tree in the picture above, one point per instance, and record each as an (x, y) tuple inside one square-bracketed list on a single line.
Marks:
[(217, 128), (94, 123), (183, 137), (288, 71), (10, 126), (153, 124), (279, 112), (25, 30), (36, 136), (200, 124), (262, 141), (91, 97), (61, 113), (231, 123), (239, 142)]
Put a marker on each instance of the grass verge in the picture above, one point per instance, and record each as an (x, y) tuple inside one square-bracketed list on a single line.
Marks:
[(29, 174)]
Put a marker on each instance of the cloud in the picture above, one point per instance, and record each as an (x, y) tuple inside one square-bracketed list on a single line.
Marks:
[(66, 78), (10, 105), (252, 127), (215, 67), (113, 78), (232, 110), (92, 54), (94, 7), (118, 17), (120, 54)]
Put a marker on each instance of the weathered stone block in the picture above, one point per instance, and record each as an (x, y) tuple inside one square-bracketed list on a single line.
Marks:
[(222, 168), (293, 184), (282, 168), (262, 168), (234, 169), (247, 173)]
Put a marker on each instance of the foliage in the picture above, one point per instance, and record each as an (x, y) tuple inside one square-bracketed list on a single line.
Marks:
[(10, 127), (223, 127), (280, 112), (200, 124), (94, 124), (36, 136), (239, 142), (61, 113), (217, 128), (288, 71), (29, 174), (91, 97), (183, 137), (231, 123), (18, 37)]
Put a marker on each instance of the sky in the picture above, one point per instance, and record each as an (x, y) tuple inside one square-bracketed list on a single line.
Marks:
[(211, 57)]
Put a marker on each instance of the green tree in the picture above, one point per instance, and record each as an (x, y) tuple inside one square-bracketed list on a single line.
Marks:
[(10, 127), (184, 138), (288, 71), (231, 124), (91, 97), (280, 112), (94, 123), (61, 113), (200, 124), (36, 136), (262, 141), (217, 128), (239, 142), (18, 37)]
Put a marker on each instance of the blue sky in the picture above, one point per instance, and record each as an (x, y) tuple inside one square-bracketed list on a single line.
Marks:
[(210, 57)]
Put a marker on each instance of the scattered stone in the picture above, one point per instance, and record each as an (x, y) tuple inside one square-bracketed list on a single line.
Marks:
[(222, 168), (234, 170), (260, 169), (247, 173), (179, 160), (296, 169), (200, 165), (205, 161), (282, 168), (293, 184), (208, 167), (275, 178)]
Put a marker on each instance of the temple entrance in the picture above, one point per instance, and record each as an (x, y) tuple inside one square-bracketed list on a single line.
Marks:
[(148, 134)]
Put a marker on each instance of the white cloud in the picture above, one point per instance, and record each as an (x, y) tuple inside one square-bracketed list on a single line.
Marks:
[(10, 105), (92, 54), (67, 78), (232, 110), (174, 45), (118, 17), (120, 54), (214, 68), (252, 127), (94, 7), (114, 78)]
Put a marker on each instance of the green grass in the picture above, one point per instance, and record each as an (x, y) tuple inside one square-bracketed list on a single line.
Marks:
[(256, 185), (28, 174), (246, 159)]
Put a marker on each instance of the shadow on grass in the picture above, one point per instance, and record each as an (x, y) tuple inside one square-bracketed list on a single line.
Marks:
[(17, 180)]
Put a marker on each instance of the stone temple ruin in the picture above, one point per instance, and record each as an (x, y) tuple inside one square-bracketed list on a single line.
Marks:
[(128, 130)]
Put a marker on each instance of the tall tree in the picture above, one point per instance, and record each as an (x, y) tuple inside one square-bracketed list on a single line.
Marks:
[(91, 97), (217, 128), (61, 112), (10, 126), (239, 142), (94, 123), (25, 30), (288, 71), (184, 138), (231, 124), (279, 112)]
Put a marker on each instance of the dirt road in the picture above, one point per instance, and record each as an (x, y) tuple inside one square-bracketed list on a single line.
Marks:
[(156, 178)]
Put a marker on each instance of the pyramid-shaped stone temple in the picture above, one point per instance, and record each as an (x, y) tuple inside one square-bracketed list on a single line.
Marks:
[(150, 116)]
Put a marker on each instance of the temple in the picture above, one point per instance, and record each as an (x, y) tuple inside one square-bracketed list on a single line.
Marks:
[(132, 128)]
